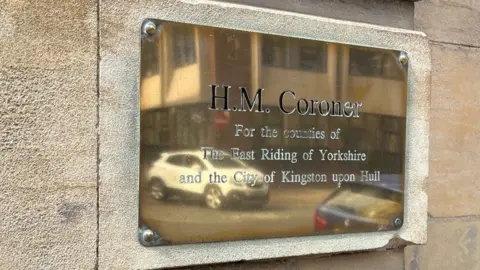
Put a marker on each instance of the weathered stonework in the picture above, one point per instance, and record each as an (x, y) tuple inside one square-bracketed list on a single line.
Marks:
[(455, 131), (119, 130), (48, 136), (397, 14), (48, 132), (391, 260), (452, 244), (452, 21)]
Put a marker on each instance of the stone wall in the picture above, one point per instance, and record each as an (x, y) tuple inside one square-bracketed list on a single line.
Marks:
[(49, 133), (453, 26)]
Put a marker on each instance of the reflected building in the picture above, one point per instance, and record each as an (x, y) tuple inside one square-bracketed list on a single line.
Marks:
[(180, 63)]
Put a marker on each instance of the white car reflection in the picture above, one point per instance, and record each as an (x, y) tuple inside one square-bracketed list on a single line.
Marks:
[(217, 182)]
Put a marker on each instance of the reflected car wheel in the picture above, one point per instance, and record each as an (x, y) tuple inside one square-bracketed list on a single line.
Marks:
[(214, 198), (158, 189)]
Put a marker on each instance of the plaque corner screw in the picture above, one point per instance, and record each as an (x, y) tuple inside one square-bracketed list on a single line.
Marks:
[(403, 58), (147, 236), (149, 28), (397, 222)]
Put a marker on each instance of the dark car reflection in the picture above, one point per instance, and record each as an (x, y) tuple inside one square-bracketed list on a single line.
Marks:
[(362, 207)]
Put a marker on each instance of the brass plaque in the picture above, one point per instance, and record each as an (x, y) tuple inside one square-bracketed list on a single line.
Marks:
[(246, 135)]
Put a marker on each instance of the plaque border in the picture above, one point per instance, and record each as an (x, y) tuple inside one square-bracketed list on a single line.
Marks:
[(119, 132)]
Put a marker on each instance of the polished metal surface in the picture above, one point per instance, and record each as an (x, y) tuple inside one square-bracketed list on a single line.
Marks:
[(246, 135)]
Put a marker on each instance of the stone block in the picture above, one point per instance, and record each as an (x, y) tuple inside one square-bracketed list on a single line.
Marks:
[(386, 13), (48, 134), (52, 227), (455, 131), (451, 21), (49, 35), (258, 265), (452, 244), (392, 260)]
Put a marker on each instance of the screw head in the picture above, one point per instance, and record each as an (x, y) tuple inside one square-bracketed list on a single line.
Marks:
[(149, 28), (403, 59), (147, 236), (397, 222)]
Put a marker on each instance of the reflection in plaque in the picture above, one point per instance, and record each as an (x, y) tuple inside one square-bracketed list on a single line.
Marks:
[(246, 135)]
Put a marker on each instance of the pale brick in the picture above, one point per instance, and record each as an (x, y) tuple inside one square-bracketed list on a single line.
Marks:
[(453, 21), (455, 131), (451, 245)]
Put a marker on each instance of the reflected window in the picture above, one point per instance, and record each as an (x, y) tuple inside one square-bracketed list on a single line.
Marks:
[(176, 160), (233, 47), (149, 62), (161, 126), (294, 54), (193, 161), (227, 163), (274, 51), (392, 143), (148, 128), (312, 56), (391, 124), (184, 46), (149, 137), (362, 139), (390, 67), (374, 63)]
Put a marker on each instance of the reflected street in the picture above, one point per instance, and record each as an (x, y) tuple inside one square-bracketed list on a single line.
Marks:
[(289, 213)]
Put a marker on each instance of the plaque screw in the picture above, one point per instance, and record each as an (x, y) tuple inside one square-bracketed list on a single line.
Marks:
[(149, 28), (397, 222), (147, 236), (403, 59)]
